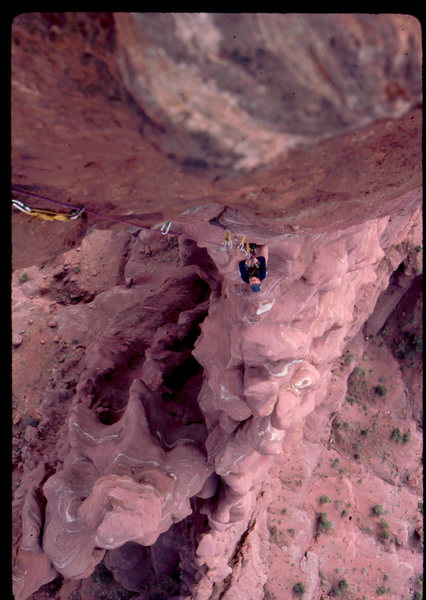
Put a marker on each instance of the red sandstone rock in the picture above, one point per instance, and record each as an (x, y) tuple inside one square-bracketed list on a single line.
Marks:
[(277, 367), (276, 90)]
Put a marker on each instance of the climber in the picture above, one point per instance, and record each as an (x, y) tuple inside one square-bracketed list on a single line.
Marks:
[(253, 269)]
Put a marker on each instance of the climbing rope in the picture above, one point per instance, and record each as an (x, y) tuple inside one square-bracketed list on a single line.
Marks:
[(77, 211), (70, 206)]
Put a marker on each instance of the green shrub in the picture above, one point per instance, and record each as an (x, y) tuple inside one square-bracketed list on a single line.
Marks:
[(323, 523), (382, 590), (347, 359), (383, 533), (411, 343), (377, 509), (406, 437), (359, 371), (343, 584), (324, 499), (339, 588), (395, 435), (380, 390), (299, 588), (23, 278)]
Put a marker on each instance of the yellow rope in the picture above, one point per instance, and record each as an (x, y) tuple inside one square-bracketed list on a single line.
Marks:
[(48, 215)]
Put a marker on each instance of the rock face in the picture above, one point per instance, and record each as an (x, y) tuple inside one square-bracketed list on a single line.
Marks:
[(165, 420), (142, 115), (189, 438), (282, 79)]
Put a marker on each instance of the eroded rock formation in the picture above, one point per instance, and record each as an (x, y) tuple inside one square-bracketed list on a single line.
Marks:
[(167, 415), (181, 411)]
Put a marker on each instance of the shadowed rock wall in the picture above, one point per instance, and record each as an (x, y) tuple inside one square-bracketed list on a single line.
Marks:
[(238, 90)]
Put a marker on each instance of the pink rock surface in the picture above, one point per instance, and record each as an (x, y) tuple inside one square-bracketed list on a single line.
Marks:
[(286, 355), (129, 463)]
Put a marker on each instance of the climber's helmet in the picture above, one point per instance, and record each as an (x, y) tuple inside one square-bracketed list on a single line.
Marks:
[(254, 284)]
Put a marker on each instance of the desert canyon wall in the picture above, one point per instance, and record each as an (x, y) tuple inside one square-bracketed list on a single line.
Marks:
[(176, 435)]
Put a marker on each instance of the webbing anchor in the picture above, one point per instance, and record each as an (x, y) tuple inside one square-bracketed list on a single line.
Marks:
[(21, 206), (46, 215)]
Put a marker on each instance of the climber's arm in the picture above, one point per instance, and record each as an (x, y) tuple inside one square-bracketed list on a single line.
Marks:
[(261, 267), (262, 251)]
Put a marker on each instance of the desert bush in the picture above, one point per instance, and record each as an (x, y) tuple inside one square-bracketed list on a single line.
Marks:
[(382, 590), (324, 499), (377, 509), (323, 523), (380, 390), (339, 588), (395, 435), (299, 588)]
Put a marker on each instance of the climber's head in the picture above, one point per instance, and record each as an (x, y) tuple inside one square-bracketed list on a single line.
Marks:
[(254, 283)]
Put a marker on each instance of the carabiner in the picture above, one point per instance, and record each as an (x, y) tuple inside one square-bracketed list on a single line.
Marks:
[(227, 240), (21, 206), (241, 244), (166, 227), (76, 213)]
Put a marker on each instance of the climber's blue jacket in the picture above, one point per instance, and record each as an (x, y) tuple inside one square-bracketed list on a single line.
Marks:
[(258, 270)]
